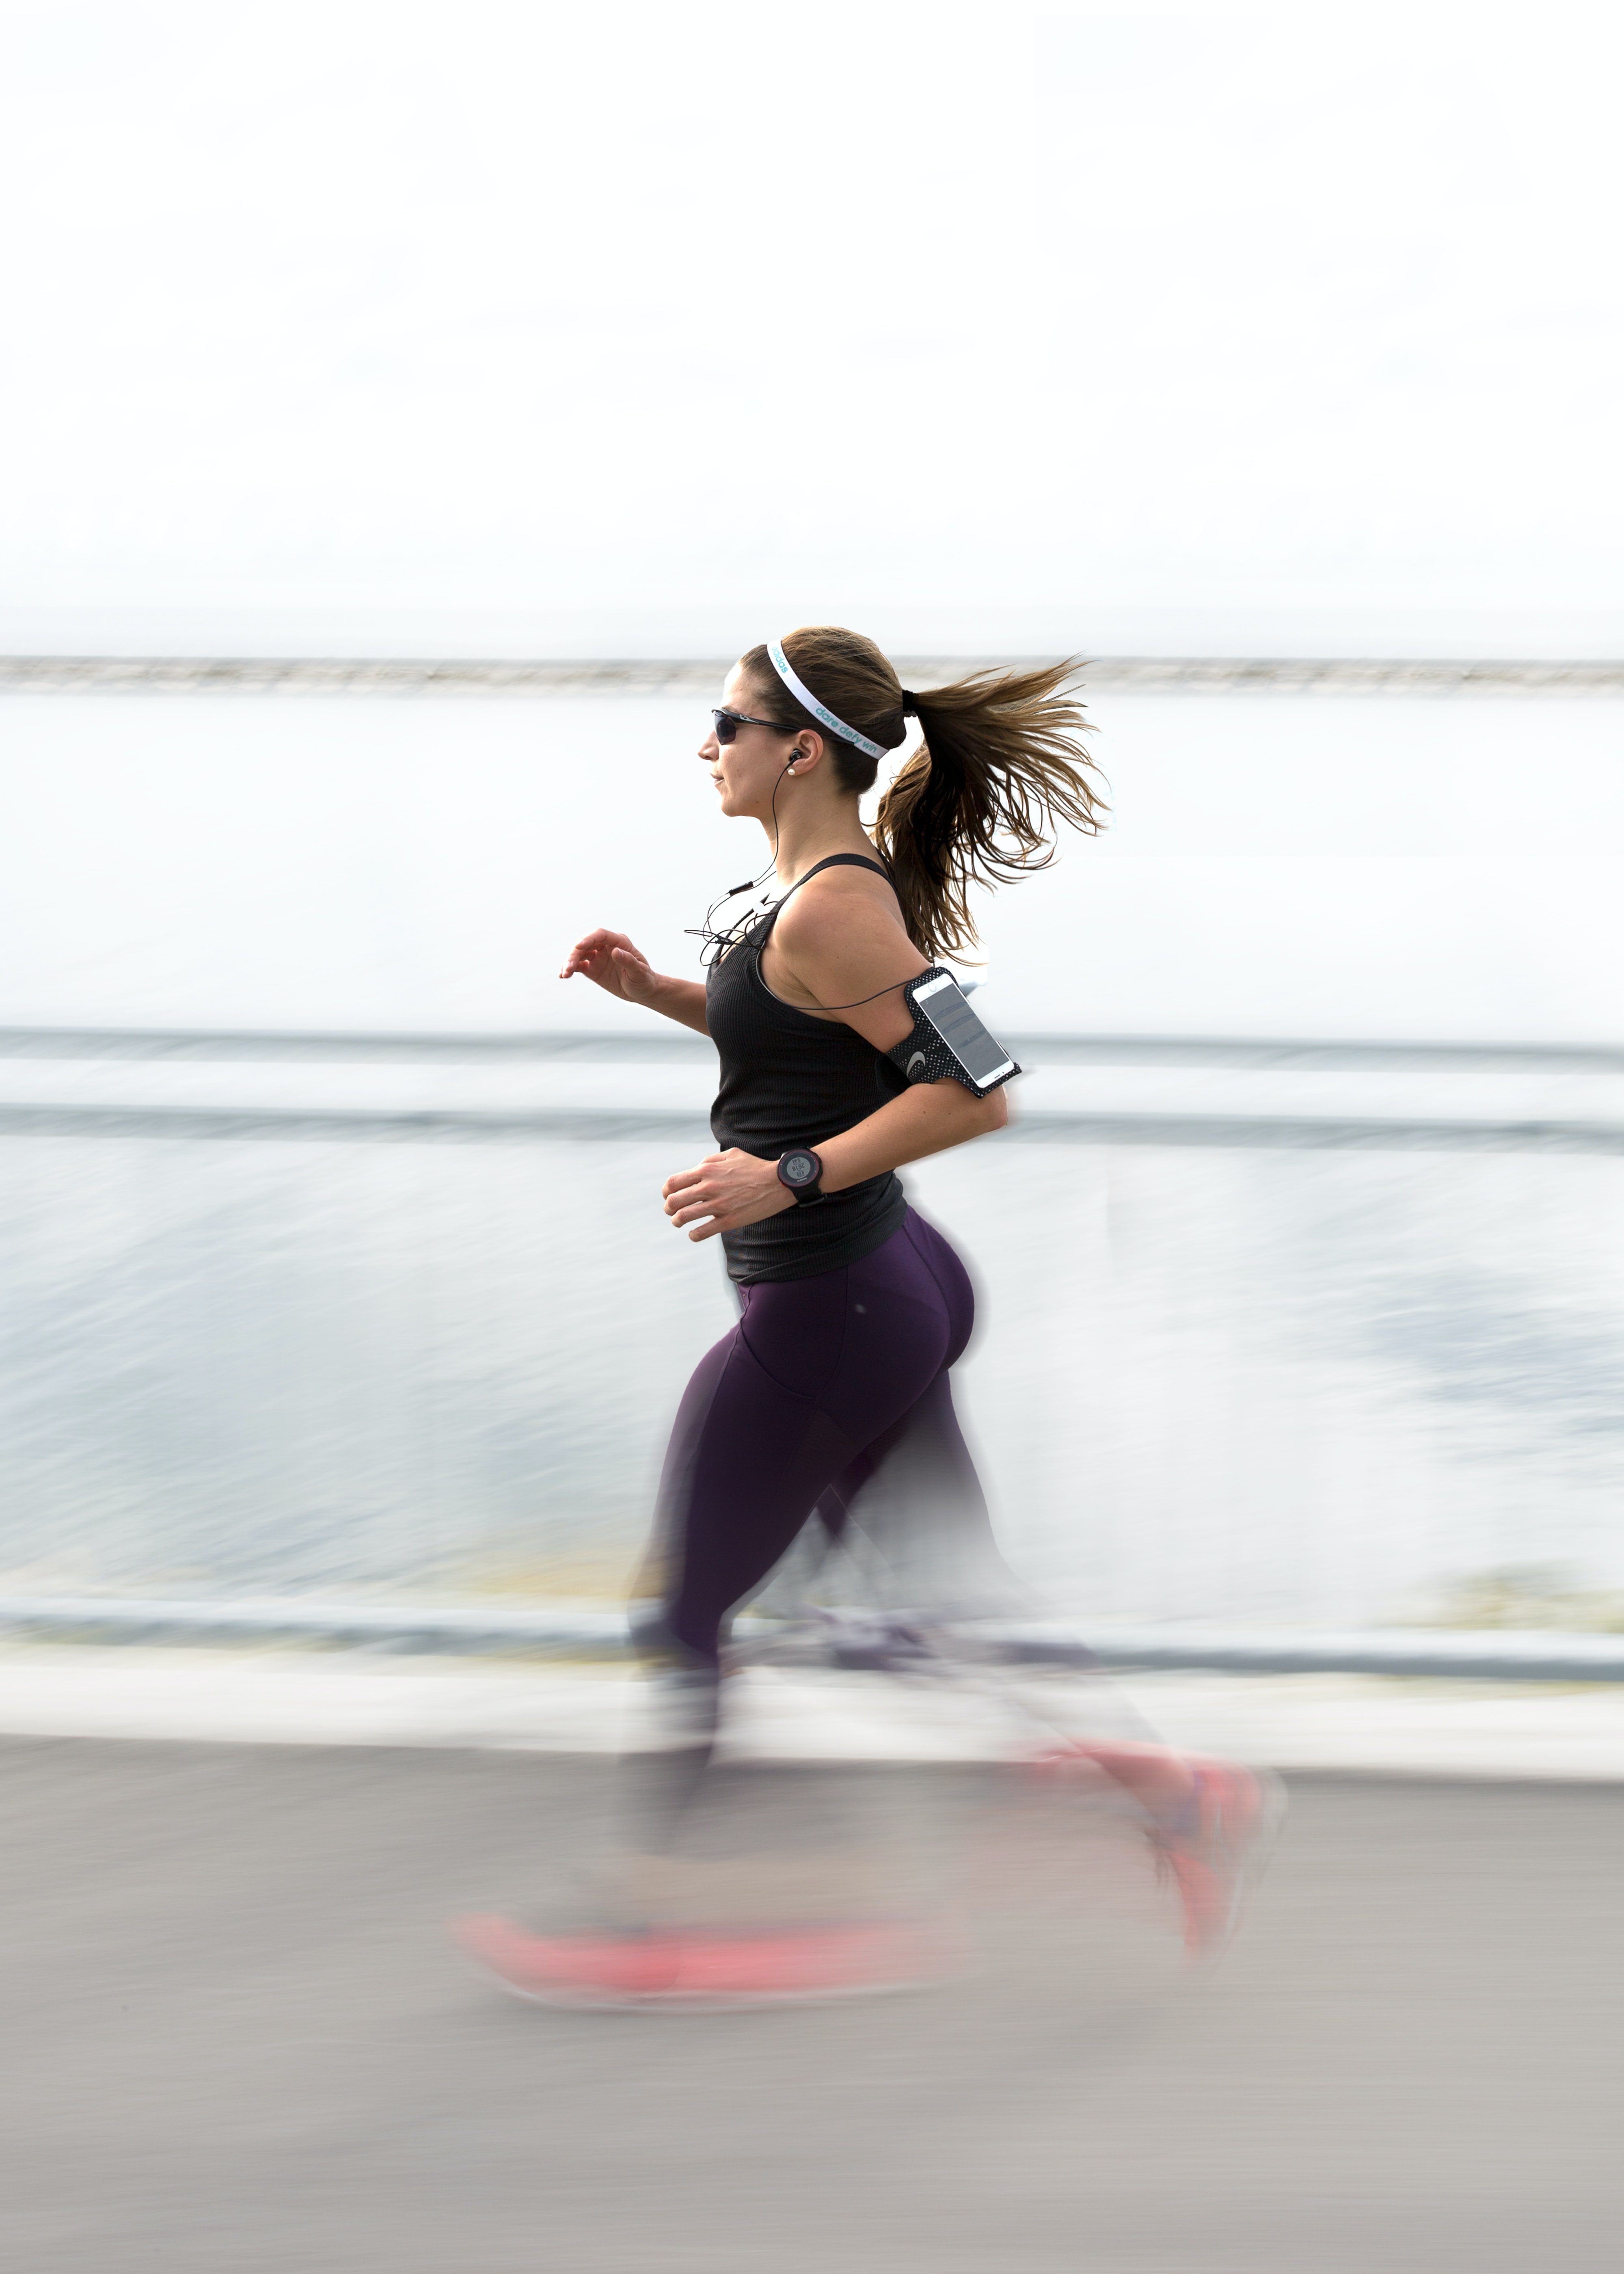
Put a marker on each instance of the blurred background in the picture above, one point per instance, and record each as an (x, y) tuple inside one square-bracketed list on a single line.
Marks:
[(541, 361), (334, 1254)]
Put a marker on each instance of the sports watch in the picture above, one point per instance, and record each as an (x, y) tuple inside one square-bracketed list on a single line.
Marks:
[(801, 1172)]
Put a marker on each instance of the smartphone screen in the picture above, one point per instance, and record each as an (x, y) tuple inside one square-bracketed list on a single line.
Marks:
[(982, 1055)]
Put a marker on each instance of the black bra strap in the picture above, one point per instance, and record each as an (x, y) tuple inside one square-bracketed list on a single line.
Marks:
[(842, 861)]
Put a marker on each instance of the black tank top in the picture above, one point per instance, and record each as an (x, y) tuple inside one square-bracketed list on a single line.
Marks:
[(789, 1079)]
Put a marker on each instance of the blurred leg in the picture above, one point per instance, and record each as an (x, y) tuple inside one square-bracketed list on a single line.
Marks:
[(915, 1497), (816, 1370)]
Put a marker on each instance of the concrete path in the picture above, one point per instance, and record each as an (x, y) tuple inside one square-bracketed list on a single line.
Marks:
[(235, 2039)]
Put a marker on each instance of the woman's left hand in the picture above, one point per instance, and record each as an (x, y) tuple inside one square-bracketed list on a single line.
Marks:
[(732, 1189)]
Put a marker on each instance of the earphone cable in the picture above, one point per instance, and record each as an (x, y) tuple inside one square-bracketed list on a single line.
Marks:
[(715, 945)]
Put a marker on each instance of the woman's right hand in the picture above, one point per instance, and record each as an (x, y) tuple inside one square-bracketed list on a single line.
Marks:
[(610, 961)]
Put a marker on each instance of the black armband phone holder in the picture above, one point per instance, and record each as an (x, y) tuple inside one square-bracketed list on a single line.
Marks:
[(948, 1043)]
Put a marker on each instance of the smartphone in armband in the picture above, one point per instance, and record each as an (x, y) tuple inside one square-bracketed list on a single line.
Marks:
[(948, 1043)]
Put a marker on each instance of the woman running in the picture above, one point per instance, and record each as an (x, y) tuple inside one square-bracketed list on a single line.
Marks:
[(852, 1309)]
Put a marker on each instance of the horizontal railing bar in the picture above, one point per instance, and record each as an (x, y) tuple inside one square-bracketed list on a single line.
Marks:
[(52, 674), (1505, 1655), (227, 1043), (599, 1125), (1291, 1055), (1331, 1131), (360, 1125), (642, 1046), (1491, 1655), (433, 1627)]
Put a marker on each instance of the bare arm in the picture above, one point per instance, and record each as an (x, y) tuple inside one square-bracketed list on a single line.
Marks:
[(610, 960), (842, 946), (735, 1188), (929, 1116)]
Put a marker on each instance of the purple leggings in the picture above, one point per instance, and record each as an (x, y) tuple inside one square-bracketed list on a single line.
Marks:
[(826, 1385)]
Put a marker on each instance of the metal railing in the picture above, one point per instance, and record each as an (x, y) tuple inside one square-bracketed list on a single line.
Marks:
[(1299, 1363), (475, 676), (1047, 1122)]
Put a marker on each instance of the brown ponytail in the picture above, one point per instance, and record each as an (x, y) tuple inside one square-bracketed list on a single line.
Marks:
[(1001, 765)]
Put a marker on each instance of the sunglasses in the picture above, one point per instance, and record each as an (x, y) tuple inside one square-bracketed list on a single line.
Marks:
[(728, 723)]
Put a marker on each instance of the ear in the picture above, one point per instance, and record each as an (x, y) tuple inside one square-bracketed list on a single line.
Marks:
[(807, 750)]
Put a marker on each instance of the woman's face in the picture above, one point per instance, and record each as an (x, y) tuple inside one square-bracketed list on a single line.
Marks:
[(748, 769)]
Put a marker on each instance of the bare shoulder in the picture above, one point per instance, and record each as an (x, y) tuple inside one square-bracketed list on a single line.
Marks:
[(838, 904), (840, 943)]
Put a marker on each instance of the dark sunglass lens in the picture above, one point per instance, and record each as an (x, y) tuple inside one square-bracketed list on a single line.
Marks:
[(726, 726)]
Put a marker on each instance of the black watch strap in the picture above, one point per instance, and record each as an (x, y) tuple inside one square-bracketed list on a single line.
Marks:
[(801, 1172)]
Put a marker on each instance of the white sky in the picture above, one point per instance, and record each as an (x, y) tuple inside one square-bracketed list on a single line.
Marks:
[(634, 328)]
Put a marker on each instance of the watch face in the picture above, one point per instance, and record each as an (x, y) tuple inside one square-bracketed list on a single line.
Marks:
[(798, 1169)]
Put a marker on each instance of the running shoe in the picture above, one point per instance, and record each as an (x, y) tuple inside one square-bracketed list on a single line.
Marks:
[(1216, 1847), (683, 1968), (589, 1970)]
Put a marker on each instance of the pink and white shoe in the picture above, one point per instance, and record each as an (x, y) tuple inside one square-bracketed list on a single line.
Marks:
[(1216, 1847), (682, 1967)]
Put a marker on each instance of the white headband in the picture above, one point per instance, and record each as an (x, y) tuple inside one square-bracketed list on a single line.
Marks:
[(804, 695)]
